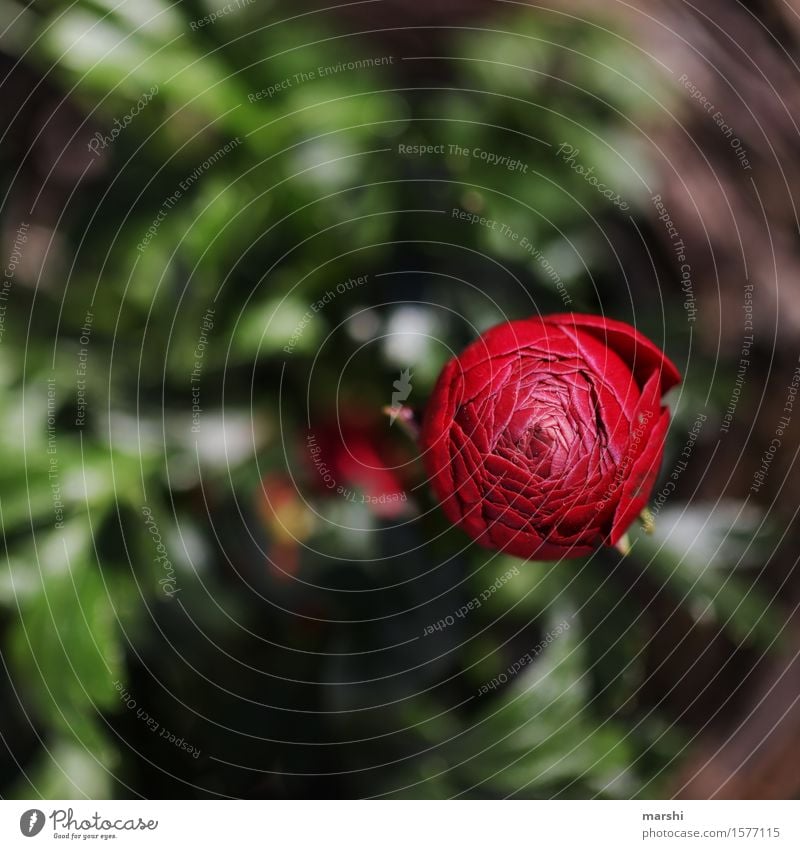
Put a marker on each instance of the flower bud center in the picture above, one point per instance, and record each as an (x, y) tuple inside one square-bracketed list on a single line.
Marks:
[(540, 436)]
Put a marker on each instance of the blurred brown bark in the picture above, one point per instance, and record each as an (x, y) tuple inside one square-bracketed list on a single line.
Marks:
[(757, 756)]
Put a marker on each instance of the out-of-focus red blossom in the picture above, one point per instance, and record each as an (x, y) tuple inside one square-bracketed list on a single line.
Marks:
[(544, 438), (357, 460), (288, 520)]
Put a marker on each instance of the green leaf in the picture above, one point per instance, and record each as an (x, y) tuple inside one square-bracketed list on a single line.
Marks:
[(687, 551), (65, 647)]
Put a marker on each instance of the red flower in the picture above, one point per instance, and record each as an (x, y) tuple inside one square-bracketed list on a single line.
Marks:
[(354, 460), (544, 437)]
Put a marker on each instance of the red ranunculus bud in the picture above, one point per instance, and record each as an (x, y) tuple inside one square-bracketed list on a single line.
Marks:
[(544, 438)]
